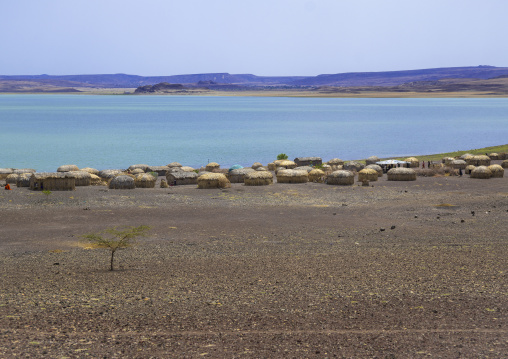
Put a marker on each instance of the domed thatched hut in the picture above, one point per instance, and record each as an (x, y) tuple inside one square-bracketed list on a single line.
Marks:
[(341, 178), (256, 165), (180, 178), (258, 178), (4, 172), (401, 174), (213, 180), (469, 168), (481, 172), (372, 160), (82, 178), (354, 166), (90, 170), (12, 178), (145, 180), (136, 171), (304, 168), (23, 180), (271, 166), (108, 174), (458, 164), (212, 166), (287, 164), (261, 169), (465, 156), (96, 180), (238, 175), (504, 164), (67, 168), (376, 168), (317, 175), (186, 168), (174, 165), (335, 162), (23, 170), (413, 162), (122, 182), (367, 174), (141, 167), (160, 170), (481, 160), (494, 156), (497, 171), (292, 176), (447, 160)]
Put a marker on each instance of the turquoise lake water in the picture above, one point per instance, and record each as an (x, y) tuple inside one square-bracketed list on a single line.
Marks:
[(46, 131)]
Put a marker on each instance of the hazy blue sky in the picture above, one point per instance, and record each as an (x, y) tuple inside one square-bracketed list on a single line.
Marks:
[(262, 37)]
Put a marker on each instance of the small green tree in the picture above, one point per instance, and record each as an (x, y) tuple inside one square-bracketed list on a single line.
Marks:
[(282, 156), (115, 239)]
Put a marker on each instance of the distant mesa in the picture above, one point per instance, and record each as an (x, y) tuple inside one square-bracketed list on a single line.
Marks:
[(160, 87)]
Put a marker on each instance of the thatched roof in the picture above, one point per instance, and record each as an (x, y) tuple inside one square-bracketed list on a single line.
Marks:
[(67, 168), (54, 181), (261, 169), (481, 172), (494, 156), (458, 164), (497, 171), (160, 170), (401, 174), (109, 173), (122, 182), (258, 178), (292, 176), (504, 164), (367, 174), (83, 178), (341, 178), (372, 160), (354, 166), (4, 172), (285, 163), (212, 166), (23, 170), (187, 168), (96, 180), (12, 178), (145, 180), (136, 171), (142, 167), (23, 180), (213, 180), (335, 162), (182, 178), (256, 165), (481, 160), (465, 156), (304, 168), (316, 175), (238, 175), (413, 162)]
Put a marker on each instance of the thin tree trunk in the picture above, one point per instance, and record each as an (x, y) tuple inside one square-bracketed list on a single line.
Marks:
[(112, 256)]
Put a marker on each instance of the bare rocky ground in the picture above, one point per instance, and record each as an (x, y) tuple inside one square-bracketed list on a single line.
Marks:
[(397, 270)]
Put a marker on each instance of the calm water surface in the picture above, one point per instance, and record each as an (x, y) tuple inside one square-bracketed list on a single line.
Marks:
[(46, 131)]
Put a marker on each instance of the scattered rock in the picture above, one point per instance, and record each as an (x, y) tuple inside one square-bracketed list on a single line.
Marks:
[(382, 229)]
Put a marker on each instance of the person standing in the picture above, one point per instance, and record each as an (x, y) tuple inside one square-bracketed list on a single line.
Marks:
[(423, 164)]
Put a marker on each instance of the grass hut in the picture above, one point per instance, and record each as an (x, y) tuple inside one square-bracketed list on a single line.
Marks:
[(238, 175), (141, 167), (413, 162), (494, 156), (212, 166), (401, 174), (213, 180), (90, 170), (341, 178), (121, 182), (326, 168), (12, 178), (52, 181), (458, 164), (180, 178), (145, 180), (23, 180), (256, 165), (317, 175), (67, 168), (497, 171), (335, 162), (82, 178), (465, 156), (287, 164), (187, 168), (272, 166), (108, 174), (292, 176), (160, 170), (258, 178), (376, 168), (96, 180), (4, 172), (481, 160), (304, 168), (354, 166), (504, 164), (367, 175), (261, 169), (481, 172), (469, 168), (372, 160), (308, 161)]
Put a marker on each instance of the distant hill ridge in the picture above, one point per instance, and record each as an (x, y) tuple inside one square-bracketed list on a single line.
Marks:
[(385, 78)]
